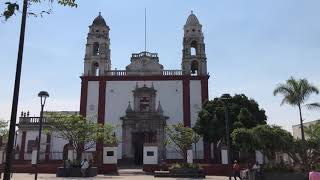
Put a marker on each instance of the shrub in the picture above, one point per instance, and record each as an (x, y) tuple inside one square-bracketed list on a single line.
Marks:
[(193, 166)]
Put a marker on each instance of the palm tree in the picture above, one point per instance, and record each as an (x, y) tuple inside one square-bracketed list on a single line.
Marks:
[(296, 92)]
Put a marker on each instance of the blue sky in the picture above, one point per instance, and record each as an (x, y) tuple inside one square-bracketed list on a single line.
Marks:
[(251, 46)]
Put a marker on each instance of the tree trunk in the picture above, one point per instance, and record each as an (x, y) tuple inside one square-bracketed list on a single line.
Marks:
[(79, 153), (185, 157), (301, 124), (217, 153)]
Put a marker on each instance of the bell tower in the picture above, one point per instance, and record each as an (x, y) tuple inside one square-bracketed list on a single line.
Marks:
[(194, 61), (97, 58)]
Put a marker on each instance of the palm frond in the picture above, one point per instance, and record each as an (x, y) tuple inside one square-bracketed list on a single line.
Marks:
[(313, 106), (296, 91)]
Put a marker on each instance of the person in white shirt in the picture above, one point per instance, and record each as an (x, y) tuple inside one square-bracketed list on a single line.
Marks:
[(257, 170), (84, 167)]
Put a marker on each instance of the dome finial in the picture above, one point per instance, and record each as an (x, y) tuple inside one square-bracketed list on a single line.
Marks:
[(99, 20), (192, 20)]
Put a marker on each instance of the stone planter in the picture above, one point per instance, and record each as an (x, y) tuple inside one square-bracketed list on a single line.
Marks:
[(181, 173), (76, 172), (185, 171), (284, 175)]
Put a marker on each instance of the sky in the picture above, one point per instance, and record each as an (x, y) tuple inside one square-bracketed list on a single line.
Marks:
[(251, 47)]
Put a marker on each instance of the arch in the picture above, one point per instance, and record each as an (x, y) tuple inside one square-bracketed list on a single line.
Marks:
[(194, 67), (96, 48), (193, 48), (95, 69)]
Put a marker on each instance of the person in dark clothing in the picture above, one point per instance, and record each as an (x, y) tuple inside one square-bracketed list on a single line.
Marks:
[(236, 170)]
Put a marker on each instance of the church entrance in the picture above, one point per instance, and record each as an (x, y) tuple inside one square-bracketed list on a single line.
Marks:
[(138, 140), (137, 143), (144, 123)]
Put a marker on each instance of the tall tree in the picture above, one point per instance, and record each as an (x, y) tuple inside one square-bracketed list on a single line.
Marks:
[(243, 112), (296, 92)]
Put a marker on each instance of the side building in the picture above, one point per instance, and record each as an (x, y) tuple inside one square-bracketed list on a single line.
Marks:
[(296, 130)]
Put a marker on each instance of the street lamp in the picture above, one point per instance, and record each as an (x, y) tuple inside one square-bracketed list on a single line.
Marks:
[(43, 96), (225, 98)]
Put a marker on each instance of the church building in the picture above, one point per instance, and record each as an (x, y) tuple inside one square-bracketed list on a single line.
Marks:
[(141, 99), (145, 97)]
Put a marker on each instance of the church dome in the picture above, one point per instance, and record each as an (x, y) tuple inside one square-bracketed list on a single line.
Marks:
[(99, 21), (192, 20)]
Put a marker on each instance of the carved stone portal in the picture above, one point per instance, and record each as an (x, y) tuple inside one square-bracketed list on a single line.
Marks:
[(143, 124)]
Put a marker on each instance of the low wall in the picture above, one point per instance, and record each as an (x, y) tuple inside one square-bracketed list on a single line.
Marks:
[(51, 167), (108, 169), (284, 176), (210, 169)]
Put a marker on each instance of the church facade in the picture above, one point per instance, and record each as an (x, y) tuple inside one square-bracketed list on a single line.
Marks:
[(145, 97), (140, 100)]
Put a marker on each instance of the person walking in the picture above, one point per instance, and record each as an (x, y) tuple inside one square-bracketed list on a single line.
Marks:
[(236, 170)]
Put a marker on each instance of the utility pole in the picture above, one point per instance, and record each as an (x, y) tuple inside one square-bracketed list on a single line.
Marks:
[(9, 151)]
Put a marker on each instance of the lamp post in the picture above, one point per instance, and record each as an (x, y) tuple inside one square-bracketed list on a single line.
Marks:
[(12, 127), (225, 98), (43, 96)]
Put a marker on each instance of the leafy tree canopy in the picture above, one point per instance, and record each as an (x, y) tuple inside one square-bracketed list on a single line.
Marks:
[(182, 137), (4, 130), (243, 113), (13, 7), (268, 139), (79, 131)]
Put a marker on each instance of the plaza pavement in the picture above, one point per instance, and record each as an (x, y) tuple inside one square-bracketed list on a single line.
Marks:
[(24, 176)]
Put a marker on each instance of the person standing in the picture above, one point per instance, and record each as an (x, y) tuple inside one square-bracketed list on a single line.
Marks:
[(236, 170), (257, 170)]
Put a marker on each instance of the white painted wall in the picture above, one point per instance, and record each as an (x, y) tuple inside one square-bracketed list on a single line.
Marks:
[(32, 135), (200, 153), (195, 100), (19, 138), (57, 144), (195, 107), (92, 103)]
